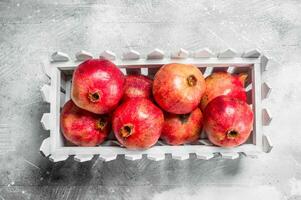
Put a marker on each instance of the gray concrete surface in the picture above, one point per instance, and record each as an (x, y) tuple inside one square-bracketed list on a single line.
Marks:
[(31, 30)]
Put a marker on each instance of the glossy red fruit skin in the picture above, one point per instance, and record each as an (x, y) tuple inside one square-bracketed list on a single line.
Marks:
[(182, 129), (225, 114), (82, 127), (223, 83), (178, 88), (144, 119), (101, 77), (137, 86)]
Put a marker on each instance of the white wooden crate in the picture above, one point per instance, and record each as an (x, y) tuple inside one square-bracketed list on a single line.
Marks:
[(58, 92)]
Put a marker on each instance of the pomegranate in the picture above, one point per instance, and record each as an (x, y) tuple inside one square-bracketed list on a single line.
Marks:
[(228, 121), (97, 86), (137, 123), (178, 88), (183, 128), (223, 83), (137, 86), (82, 127)]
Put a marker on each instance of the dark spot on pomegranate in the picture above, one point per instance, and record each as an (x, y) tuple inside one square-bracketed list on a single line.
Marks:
[(94, 97), (191, 80), (126, 130), (232, 134)]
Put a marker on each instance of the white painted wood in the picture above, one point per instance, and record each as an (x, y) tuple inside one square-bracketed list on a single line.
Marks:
[(83, 55), (231, 156), (251, 154), (180, 54), (228, 53), (68, 90), (180, 156), (254, 53), (267, 144), (133, 156), (59, 57), (58, 157), (131, 55), (45, 92), (45, 147), (208, 71), (107, 158), (266, 117), (264, 63), (256, 105), (238, 62), (231, 69), (109, 152), (156, 157), (109, 55), (265, 90), (144, 71), (204, 155), (46, 121), (55, 134), (83, 158), (205, 142), (156, 54), (203, 53), (123, 70)]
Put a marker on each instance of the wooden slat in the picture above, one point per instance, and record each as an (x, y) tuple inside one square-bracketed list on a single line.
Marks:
[(59, 57), (45, 92), (180, 54), (83, 158), (45, 147), (109, 55), (83, 55), (131, 55), (254, 53), (156, 54)]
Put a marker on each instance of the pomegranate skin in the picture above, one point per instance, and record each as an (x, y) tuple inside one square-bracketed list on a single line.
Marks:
[(178, 88), (228, 122), (223, 83), (137, 86), (97, 86), (137, 123), (182, 129), (82, 127)]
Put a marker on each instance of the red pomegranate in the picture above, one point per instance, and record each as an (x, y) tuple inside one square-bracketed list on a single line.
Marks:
[(82, 127), (97, 86), (228, 122), (137, 86), (178, 88), (223, 83), (183, 128), (137, 123)]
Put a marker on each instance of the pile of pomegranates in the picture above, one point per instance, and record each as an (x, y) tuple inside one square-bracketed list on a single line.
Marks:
[(174, 106)]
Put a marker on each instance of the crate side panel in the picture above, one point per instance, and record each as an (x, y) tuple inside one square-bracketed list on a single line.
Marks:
[(256, 102), (166, 149)]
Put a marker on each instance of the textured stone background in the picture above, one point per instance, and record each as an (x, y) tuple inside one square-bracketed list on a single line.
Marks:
[(30, 31)]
